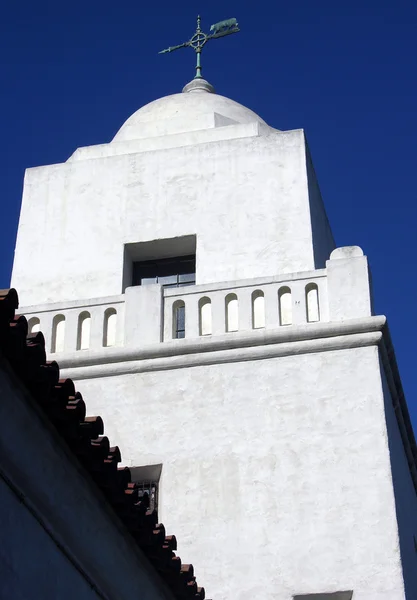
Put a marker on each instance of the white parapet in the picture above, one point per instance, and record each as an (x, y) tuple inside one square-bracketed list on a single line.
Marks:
[(246, 305), (348, 284), (148, 315), (79, 325)]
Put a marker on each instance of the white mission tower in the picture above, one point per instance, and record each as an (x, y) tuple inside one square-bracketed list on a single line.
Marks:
[(186, 277)]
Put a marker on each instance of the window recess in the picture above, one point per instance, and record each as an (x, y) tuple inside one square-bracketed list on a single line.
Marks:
[(147, 481), (169, 272)]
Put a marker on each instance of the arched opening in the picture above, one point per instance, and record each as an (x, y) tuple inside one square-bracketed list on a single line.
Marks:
[(312, 303), (58, 333), (178, 320), (109, 327), (232, 313), (83, 334), (258, 309), (34, 325), (285, 306), (204, 310)]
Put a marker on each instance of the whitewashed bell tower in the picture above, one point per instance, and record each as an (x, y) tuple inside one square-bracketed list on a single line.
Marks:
[(185, 276)]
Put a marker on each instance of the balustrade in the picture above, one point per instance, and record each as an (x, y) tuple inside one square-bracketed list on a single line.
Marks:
[(213, 311), (72, 327), (191, 312)]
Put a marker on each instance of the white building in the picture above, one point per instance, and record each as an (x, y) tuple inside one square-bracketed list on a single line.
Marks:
[(190, 263)]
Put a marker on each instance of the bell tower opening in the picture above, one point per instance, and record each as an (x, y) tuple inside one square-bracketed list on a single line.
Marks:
[(171, 262)]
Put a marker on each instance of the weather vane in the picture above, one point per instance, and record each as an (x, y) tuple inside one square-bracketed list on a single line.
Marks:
[(199, 39)]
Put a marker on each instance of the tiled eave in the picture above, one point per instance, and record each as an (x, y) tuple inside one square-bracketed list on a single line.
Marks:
[(61, 407)]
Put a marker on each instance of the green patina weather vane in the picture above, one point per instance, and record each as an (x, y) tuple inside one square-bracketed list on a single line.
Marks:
[(199, 39)]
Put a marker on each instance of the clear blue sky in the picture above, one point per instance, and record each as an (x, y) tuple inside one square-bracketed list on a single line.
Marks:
[(72, 72)]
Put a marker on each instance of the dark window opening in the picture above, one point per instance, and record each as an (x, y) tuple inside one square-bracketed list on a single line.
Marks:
[(169, 272), (146, 479), (148, 491), (179, 322)]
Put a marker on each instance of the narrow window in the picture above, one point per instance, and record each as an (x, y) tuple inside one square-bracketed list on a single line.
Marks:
[(84, 326), (58, 333), (109, 327), (204, 306), (34, 325), (232, 313), (285, 306), (148, 491), (258, 309), (178, 320), (312, 303), (147, 482)]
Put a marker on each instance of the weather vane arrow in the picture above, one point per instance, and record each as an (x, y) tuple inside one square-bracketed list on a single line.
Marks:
[(200, 39)]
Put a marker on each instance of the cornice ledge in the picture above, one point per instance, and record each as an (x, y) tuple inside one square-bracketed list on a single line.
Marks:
[(232, 347)]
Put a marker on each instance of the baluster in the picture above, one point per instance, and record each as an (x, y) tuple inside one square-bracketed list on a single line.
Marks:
[(191, 316)]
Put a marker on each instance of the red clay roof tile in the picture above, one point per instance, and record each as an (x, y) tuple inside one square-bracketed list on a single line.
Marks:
[(66, 409)]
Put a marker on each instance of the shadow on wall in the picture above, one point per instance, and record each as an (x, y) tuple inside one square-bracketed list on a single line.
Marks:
[(405, 496), (323, 241), (329, 596)]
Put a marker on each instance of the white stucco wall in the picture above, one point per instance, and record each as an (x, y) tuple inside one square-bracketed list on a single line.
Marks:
[(246, 199), (276, 472)]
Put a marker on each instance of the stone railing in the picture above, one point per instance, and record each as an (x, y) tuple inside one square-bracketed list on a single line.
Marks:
[(82, 325), (218, 309)]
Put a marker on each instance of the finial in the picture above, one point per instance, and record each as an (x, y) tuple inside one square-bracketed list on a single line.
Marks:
[(199, 39), (198, 85)]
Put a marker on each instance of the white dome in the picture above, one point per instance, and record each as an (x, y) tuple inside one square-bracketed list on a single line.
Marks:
[(192, 110)]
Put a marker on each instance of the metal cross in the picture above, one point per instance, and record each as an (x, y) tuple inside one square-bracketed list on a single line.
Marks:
[(199, 39)]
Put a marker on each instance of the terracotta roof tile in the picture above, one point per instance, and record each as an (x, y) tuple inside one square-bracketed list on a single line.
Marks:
[(66, 409)]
